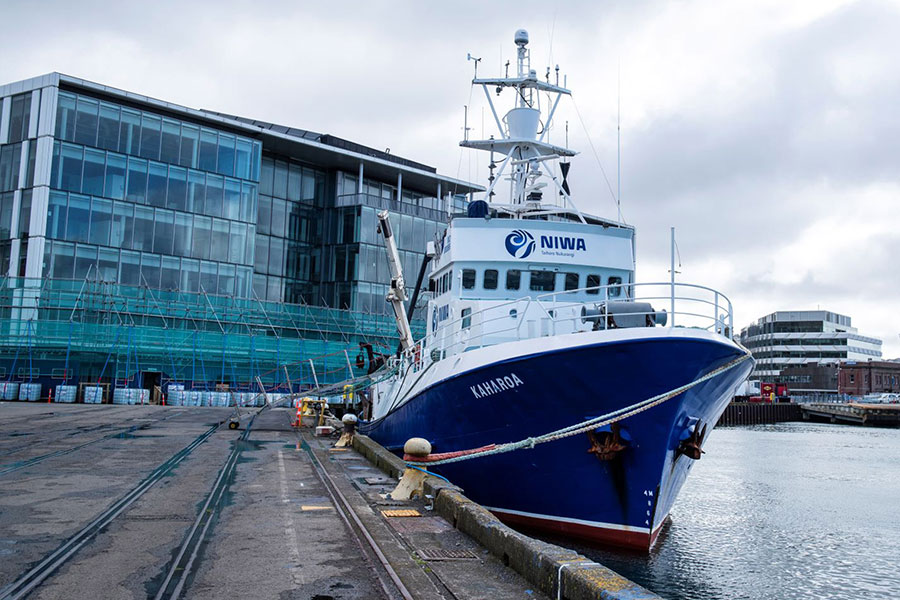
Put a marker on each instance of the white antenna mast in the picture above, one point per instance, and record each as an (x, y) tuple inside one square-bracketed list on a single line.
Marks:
[(619, 142)]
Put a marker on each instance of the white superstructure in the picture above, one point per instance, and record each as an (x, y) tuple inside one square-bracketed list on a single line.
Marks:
[(525, 264)]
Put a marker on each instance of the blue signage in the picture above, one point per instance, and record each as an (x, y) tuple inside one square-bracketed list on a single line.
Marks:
[(520, 243)]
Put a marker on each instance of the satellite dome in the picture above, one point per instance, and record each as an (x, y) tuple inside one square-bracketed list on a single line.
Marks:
[(521, 37)]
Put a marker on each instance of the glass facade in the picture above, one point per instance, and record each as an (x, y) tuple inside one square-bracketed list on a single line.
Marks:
[(357, 274), (133, 231), (145, 199), (289, 232)]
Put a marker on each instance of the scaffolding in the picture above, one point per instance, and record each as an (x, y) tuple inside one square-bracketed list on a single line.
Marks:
[(70, 332)]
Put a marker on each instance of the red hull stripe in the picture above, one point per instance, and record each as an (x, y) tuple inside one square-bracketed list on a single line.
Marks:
[(626, 538)]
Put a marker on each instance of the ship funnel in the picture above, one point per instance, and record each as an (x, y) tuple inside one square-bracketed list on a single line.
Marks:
[(522, 122)]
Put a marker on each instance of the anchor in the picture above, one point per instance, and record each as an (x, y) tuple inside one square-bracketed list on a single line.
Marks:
[(690, 445), (606, 445)]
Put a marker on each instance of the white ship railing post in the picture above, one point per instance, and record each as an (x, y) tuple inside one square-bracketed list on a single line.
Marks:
[(716, 313), (606, 306), (730, 320), (672, 272)]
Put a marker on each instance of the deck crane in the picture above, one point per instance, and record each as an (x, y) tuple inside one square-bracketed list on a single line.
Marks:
[(397, 293)]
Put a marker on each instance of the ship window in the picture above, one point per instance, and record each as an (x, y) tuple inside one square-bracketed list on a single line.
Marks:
[(593, 284), (466, 315), (614, 291), (513, 279), (571, 281), (542, 281), (468, 279), (490, 279)]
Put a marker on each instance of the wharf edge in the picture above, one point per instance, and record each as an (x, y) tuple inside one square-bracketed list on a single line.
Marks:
[(543, 564)]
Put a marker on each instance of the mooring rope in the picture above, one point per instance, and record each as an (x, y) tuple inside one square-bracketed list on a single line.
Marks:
[(607, 419)]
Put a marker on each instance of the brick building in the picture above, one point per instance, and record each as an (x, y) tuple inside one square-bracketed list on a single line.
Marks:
[(870, 377)]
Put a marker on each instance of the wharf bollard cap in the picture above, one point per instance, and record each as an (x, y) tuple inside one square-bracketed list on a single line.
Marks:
[(417, 447), (349, 418)]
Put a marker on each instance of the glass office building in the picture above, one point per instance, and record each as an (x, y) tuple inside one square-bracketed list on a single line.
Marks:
[(137, 236)]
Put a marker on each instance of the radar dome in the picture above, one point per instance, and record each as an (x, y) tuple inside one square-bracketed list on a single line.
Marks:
[(521, 37)]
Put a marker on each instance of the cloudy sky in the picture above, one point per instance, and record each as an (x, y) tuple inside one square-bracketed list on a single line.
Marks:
[(767, 132)]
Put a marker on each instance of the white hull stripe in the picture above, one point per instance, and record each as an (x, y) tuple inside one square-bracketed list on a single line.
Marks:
[(596, 524)]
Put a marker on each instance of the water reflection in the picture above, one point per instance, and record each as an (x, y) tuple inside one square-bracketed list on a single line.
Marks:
[(794, 510)]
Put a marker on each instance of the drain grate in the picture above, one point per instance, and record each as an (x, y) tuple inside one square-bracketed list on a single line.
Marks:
[(420, 525), (441, 554), (401, 512)]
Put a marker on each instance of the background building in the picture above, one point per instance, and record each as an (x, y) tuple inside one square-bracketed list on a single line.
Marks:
[(870, 377), (785, 341), (142, 241)]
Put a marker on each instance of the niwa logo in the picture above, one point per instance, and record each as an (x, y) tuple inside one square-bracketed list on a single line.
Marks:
[(520, 243)]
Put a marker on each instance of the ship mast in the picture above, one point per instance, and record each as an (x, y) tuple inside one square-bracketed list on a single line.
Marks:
[(520, 141)]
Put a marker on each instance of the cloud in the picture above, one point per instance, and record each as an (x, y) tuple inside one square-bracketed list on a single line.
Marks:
[(765, 131)]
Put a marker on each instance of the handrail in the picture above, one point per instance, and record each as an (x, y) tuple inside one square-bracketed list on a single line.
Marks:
[(452, 334)]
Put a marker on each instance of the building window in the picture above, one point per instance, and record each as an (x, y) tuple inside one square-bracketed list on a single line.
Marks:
[(542, 281), (513, 279), (571, 281), (490, 279), (468, 279), (593, 284), (19, 117)]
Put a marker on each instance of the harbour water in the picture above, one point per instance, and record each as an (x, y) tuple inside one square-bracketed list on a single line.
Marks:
[(793, 510)]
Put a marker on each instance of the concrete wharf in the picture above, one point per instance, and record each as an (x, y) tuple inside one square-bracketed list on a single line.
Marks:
[(168, 502)]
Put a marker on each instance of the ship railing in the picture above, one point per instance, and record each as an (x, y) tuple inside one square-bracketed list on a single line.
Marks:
[(475, 330), (684, 305), (554, 313)]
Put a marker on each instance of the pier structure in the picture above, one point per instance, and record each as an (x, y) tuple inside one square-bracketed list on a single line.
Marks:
[(759, 413), (853, 413)]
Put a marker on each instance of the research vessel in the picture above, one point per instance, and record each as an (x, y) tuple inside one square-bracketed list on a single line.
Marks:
[(554, 389)]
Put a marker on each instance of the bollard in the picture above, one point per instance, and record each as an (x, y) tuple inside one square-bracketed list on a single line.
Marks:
[(349, 420), (412, 483), (50, 396)]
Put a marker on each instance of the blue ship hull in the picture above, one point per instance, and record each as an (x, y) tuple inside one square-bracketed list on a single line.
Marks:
[(560, 486)]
